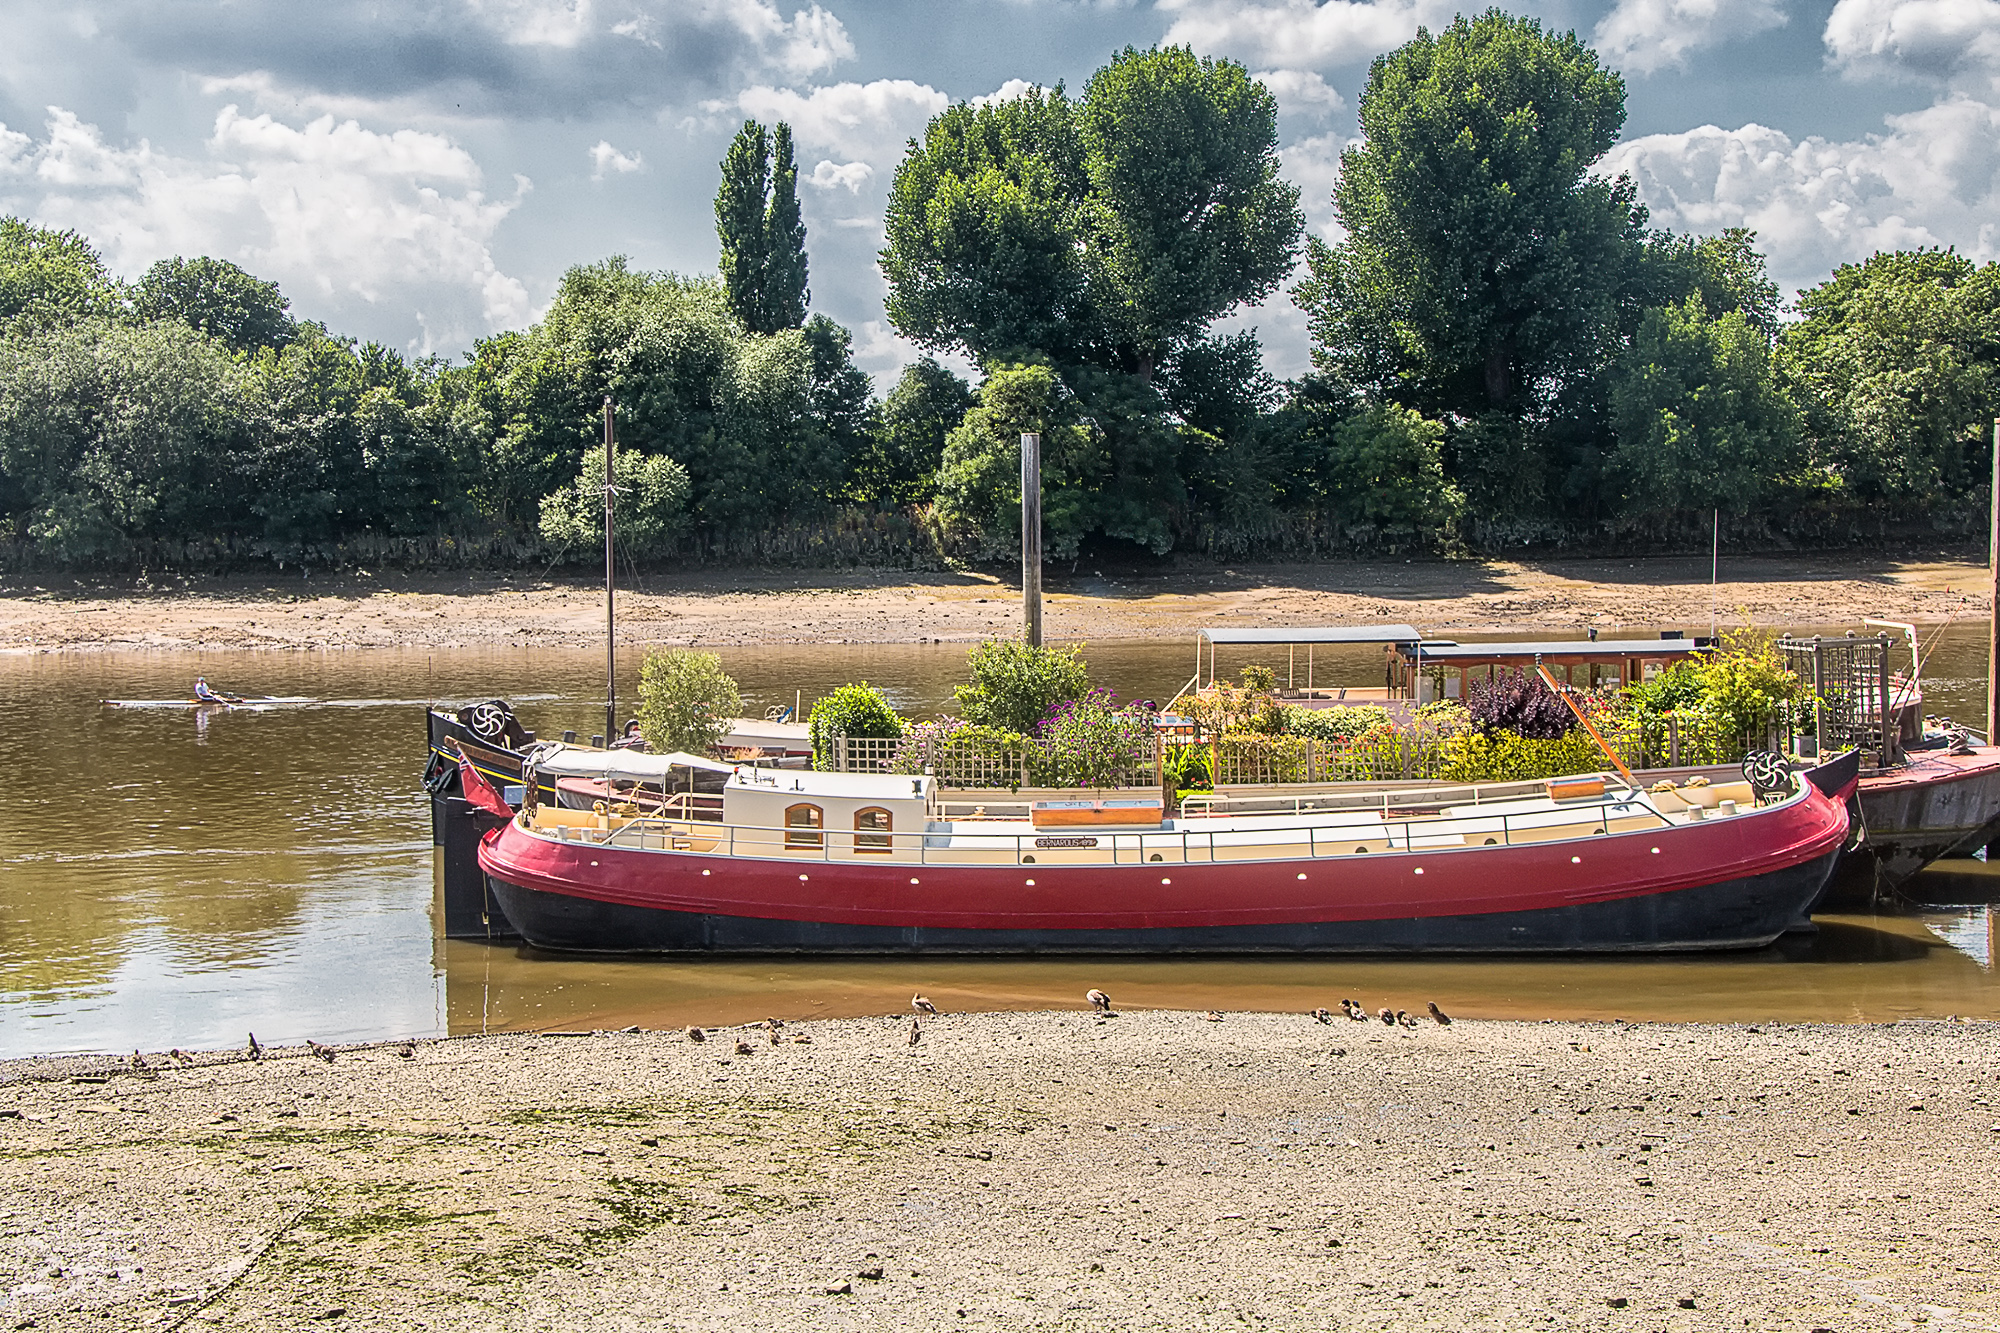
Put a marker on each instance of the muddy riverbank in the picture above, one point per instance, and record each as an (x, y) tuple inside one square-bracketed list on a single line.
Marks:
[(1151, 1170), (361, 610)]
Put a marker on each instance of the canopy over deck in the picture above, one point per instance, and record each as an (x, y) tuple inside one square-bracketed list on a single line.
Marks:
[(1563, 650), (1601, 661), (1309, 637), (1321, 634)]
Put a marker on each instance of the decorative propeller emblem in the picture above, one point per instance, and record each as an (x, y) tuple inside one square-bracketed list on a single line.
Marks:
[(487, 720), (1767, 772)]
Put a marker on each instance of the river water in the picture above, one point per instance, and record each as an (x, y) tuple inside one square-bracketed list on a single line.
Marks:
[(169, 878)]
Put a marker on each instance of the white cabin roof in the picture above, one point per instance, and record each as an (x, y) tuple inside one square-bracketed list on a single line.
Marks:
[(834, 786)]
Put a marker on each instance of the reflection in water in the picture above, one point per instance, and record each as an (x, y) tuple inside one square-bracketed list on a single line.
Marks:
[(1969, 930), (1852, 969), (179, 877)]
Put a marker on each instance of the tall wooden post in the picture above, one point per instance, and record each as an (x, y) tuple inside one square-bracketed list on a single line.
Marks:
[(1993, 601), (611, 732), (1031, 539)]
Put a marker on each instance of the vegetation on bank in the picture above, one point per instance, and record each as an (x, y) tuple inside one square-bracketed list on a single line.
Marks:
[(1505, 354)]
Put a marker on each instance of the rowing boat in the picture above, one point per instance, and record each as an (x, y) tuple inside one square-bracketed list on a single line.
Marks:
[(231, 701)]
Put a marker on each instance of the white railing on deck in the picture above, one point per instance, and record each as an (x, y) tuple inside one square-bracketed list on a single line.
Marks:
[(1398, 833)]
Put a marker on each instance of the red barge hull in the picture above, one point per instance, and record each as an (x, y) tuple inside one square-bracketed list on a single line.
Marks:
[(1726, 884)]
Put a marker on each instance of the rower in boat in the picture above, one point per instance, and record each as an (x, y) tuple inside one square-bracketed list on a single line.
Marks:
[(203, 693)]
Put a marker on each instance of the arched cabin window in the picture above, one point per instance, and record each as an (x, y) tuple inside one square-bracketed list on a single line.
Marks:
[(802, 826), (873, 830)]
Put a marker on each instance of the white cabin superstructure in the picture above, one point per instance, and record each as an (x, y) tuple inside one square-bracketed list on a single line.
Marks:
[(869, 814)]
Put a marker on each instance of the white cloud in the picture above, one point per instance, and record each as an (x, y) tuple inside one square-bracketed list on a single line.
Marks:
[(1006, 92), (1933, 178), (1314, 165), (1295, 34), (861, 122), (850, 176), (883, 352), (810, 41), (344, 216), (604, 159), (1942, 40), (1302, 92), (1648, 35)]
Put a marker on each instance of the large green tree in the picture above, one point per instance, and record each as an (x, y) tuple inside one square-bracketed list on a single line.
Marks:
[(1700, 419), (901, 463), (1109, 232), (763, 238), (50, 277), (1897, 365), (1483, 268), (218, 298)]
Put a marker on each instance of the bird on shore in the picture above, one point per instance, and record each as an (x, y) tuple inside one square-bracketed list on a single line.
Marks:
[(1213, 1015), (1323, 1015), (1355, 1010), (408, 1050), (1403, 1019), (1387, 1016), (256, 1051), (697, 1035), (323, 1052), (1098, 1000), (922, 1004), (138, 1061), (180, 1056), (745, 1048), (773, 1025), (916, 1031), (802, 1039), (1443, 1018)]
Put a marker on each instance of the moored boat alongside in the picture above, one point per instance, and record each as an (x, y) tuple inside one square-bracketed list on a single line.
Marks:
[(852, 863)]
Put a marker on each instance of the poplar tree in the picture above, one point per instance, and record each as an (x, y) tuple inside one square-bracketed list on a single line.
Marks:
[(739, 222), (763, 237), (785, 293)]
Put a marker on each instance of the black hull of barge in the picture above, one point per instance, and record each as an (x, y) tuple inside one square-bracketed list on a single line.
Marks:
[(1736, 914)]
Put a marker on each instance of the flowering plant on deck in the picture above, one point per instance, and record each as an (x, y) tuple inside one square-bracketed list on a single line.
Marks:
[(1087, 742)]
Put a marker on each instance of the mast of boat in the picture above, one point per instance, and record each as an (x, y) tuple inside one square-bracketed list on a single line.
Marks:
[(1993, 602), (1031, 539), (610, 599)]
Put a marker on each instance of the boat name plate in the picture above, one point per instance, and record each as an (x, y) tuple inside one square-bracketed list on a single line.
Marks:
[(1044, 843)]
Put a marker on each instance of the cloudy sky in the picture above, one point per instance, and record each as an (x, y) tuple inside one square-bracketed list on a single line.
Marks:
[(422, 172)]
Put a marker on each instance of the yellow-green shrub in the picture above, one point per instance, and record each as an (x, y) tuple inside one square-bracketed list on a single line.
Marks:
[(1504, 756)]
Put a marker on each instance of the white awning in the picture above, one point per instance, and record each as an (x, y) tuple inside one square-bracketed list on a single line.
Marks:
[(577, 761), (1326, 634)]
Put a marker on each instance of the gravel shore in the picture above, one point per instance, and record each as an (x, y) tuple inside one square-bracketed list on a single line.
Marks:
[(359, 610), (1020, 1170)]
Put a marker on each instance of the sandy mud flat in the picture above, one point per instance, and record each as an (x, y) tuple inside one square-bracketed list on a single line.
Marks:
[(1048, 1170), (1439, 597)]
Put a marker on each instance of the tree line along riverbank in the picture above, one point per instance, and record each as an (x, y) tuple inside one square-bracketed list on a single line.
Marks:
[(1153, 1169), (1506, 356)]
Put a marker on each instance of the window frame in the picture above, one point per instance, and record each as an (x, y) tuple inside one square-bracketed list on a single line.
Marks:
[(878, 841), (802, 837)]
